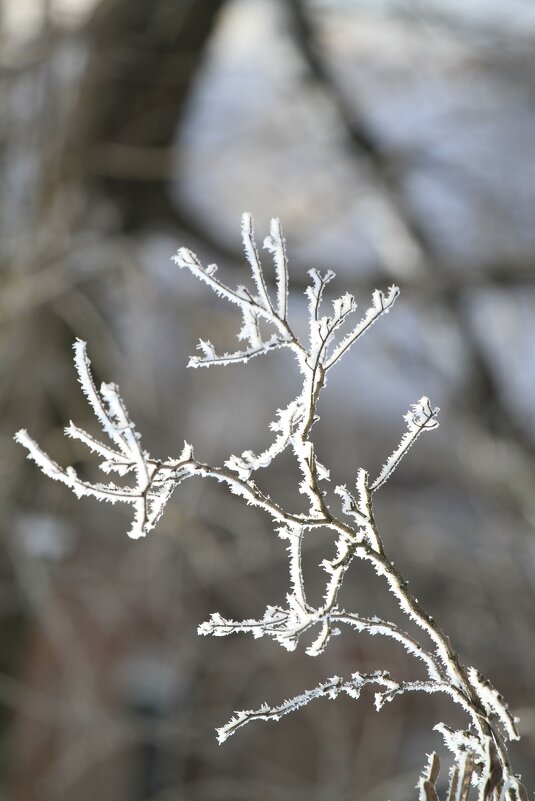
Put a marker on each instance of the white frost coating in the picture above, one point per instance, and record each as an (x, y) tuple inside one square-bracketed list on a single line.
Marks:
[(398, 587), (280, 624), (364, 506), (185, 258), (323, 329), (349, 504), (513, 790), (336, 569), (381, 304), (354, 536), (314, 293), (397, 688), (318, 646), (420, 417), (85, 379), (251, 252), (377, 626), (254, 307), (331, 689), (429, 776), (493, 702), (151, 491), (94, 445), (294, 537), (248, 462), (209, 357), (250, 330), (276, 245), (461, 740)]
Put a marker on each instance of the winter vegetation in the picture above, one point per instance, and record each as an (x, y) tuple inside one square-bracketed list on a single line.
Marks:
[(479, 757)]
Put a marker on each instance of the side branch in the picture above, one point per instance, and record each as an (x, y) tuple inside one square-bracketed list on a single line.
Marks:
[(331, 688), (420, 417)]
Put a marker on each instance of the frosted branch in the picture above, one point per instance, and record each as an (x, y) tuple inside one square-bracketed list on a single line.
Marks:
[(479, 752), (381, 304), (331, 689), (284, 626), (376, 626), (209, 357), (493, 702), (276, 245), (315, 292), (420, 417), (284, 427), (251, 252), (151, 490)]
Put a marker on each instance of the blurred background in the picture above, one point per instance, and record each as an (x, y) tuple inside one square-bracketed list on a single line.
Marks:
[(395, 139)]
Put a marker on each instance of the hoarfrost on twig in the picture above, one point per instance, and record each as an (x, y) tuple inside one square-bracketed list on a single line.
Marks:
[(479, 751)]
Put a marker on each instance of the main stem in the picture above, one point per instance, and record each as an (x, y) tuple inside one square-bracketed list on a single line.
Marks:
[(456, 672)]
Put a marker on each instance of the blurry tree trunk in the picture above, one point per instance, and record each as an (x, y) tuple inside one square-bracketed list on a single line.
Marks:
[(143, 57)]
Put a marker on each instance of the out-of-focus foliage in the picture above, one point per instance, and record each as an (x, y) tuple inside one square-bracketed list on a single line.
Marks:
[(396, 143)]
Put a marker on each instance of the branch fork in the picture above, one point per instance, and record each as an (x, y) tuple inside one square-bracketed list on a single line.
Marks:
[(479, 751)]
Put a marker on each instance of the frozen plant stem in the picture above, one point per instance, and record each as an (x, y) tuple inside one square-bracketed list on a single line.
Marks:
[(490, 724)]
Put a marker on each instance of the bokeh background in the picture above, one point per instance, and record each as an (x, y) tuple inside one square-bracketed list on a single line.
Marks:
[(396, 141)]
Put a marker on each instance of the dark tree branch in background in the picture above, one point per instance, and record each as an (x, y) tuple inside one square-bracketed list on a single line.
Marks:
[(143, 60), (387, 167), (388, 173), (135, 95)]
